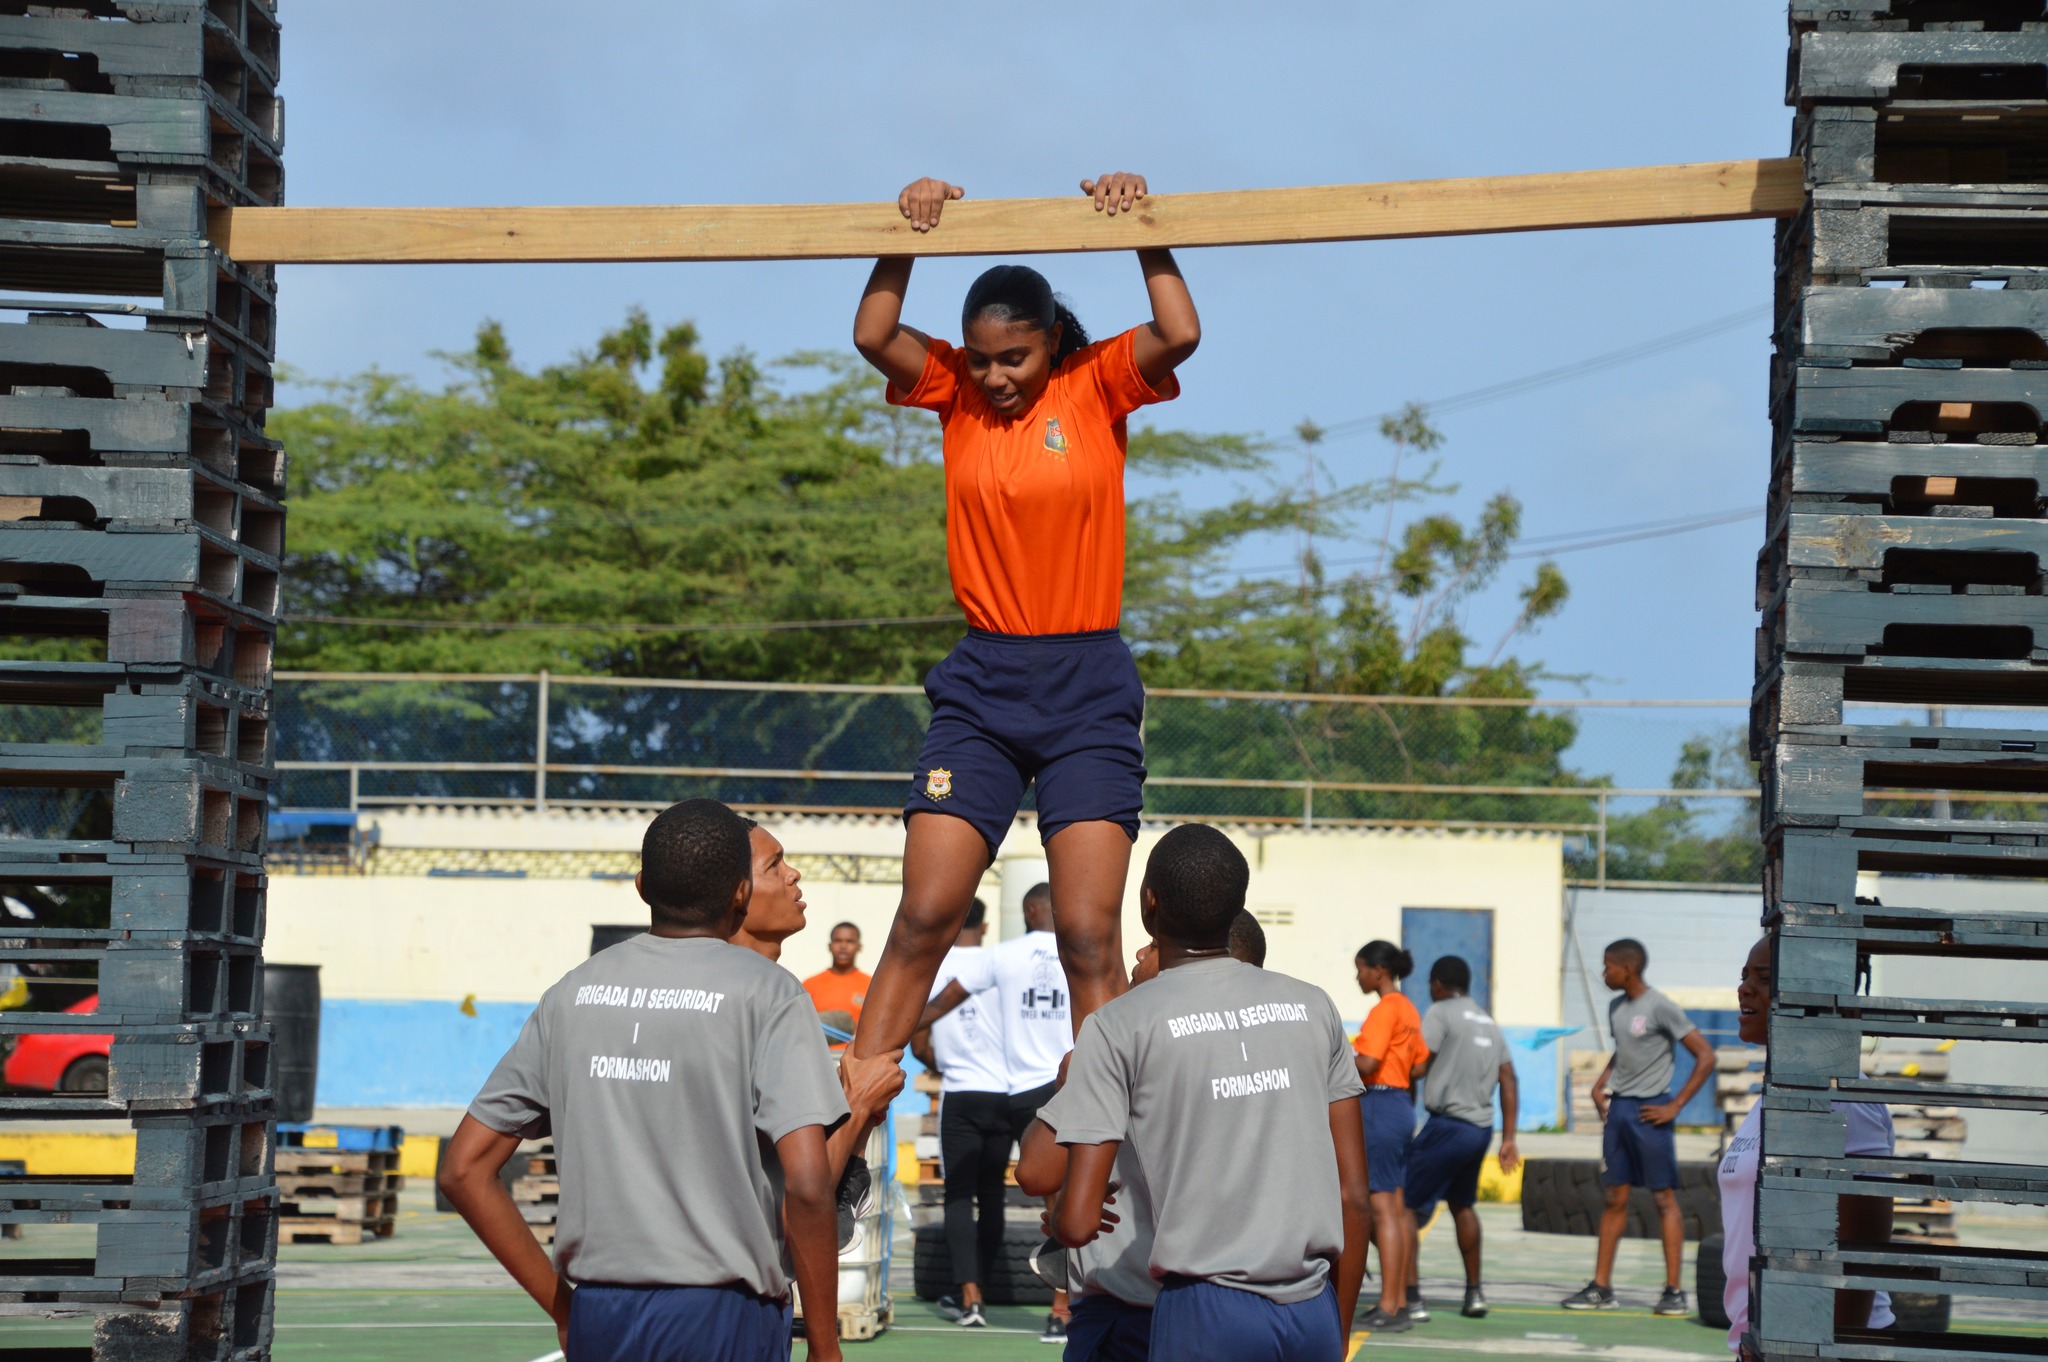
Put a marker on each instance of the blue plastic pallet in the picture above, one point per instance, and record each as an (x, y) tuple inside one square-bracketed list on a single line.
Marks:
[(347, 1139)]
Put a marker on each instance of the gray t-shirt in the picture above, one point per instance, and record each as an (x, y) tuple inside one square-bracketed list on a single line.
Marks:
[(666, 1069), (1235, 1146), (1644, 1030), (1466, 1050), (1119, 1263)]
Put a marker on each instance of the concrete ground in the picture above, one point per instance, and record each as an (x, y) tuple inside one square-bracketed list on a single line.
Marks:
[(430, 1293)]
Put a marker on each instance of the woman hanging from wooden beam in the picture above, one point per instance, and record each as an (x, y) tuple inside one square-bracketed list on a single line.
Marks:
[(1043, 688)]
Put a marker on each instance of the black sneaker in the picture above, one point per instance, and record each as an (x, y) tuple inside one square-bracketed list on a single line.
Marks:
[(1049, 1264), (1380, 1322), (1475, 1303), (949, 1306), (1417, 1308), (1672, 1302), (972, 1318), (1593, 1297), (1055, 1329), (856, 1200)]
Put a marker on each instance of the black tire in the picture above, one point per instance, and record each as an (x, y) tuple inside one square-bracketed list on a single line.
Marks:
[(1566, 1196), (1920, 1312), (87, 1074), (1710, 1283), (1011, 1283)]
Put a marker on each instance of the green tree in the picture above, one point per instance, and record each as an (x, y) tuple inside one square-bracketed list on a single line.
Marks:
[(1703, 841)]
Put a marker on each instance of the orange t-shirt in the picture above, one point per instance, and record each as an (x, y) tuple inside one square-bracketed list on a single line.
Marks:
[(1035, 503), (838, 992), (1393, 1033)]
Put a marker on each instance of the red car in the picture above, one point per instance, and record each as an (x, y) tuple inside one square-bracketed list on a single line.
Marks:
[(60, 1063)]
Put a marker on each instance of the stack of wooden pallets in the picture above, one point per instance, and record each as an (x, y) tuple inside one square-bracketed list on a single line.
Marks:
[(1904, 566), (338, 1184), (536, 1187), (141, 528)]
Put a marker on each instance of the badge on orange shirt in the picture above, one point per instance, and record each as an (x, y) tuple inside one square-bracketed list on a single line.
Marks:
[(1055, 438)]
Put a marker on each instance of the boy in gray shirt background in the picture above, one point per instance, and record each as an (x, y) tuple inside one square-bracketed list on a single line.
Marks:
[(689, 1092), (1235, 1088), (1467, 1059), (1633, 1096)]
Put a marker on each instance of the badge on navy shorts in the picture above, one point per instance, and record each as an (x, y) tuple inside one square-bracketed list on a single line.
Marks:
[(938, 784), (1055, 438)]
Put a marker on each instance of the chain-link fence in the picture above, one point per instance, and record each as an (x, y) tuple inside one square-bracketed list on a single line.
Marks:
[(1649, 790)]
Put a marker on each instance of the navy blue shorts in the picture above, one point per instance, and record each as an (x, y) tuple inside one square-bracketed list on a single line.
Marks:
[(1389, 1116), (1108, 1329), (1443, 1163), (1064, 710), (1204, 1322), (677, 1324), (1634, 1153)]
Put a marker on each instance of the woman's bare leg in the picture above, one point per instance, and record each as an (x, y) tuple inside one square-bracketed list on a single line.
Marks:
[(1090, 863), (943, 860)]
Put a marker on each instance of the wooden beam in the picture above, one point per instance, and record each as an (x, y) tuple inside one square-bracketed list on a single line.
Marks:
[(1706, 192)]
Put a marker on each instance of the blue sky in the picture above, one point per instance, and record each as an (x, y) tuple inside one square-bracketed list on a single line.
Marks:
[(459, 102)]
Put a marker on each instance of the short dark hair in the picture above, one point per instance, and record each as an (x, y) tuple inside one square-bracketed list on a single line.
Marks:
[(1248, 939), (1041, 890), (1387, 956), (1630, 952), (977, 913), (837, 927), (694, 861), (1199, 878), (1452, 972)]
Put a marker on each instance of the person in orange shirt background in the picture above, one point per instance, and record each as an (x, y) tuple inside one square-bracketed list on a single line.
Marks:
[(1389, 1046), (1043, 690), (840, 988)]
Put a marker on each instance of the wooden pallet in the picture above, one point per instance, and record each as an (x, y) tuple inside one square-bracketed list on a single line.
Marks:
[(335, 1162), (365, 1209), (293, 1186), (341, 1232)]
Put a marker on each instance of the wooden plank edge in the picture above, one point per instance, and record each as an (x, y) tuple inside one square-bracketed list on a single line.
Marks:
[(1631, 197)]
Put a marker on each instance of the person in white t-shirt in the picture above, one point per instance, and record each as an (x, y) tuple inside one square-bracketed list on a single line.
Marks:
[(965, 1048), (1862, 1219), (1030, 998)]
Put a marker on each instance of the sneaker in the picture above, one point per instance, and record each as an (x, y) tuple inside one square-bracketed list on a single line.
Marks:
[(1380, 1322), (1049, 1264), (1593, 1297), (1672, 1302), (949, 1306), (1417, 1308), (856, 1201), (1055, 1329), (972, 1318), (1475, 1303)]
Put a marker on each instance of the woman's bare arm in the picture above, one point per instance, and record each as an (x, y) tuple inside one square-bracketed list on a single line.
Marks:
[(878, 330), (1163, 344)]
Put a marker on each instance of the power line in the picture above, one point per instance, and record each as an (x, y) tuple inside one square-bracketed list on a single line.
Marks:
[(1564, 373)]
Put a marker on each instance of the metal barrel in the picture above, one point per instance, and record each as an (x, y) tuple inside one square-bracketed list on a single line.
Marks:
[(291, 1004)]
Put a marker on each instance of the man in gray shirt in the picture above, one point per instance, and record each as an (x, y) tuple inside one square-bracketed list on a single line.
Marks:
[(1467, 1059), (689, 1092), (1633, 1096), (1255, 1163)]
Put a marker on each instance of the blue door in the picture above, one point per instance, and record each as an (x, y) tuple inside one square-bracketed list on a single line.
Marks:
[(1429, 934)]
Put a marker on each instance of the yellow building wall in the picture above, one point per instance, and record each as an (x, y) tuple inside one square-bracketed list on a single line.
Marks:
[(1323, 894)]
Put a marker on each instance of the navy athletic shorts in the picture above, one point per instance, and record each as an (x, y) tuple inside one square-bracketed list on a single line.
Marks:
[(1064, 710), (1634, 1153), (1443, 1163), (1203, 1322), (1104, 1328), (677, 1324), (1389, 1115)]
